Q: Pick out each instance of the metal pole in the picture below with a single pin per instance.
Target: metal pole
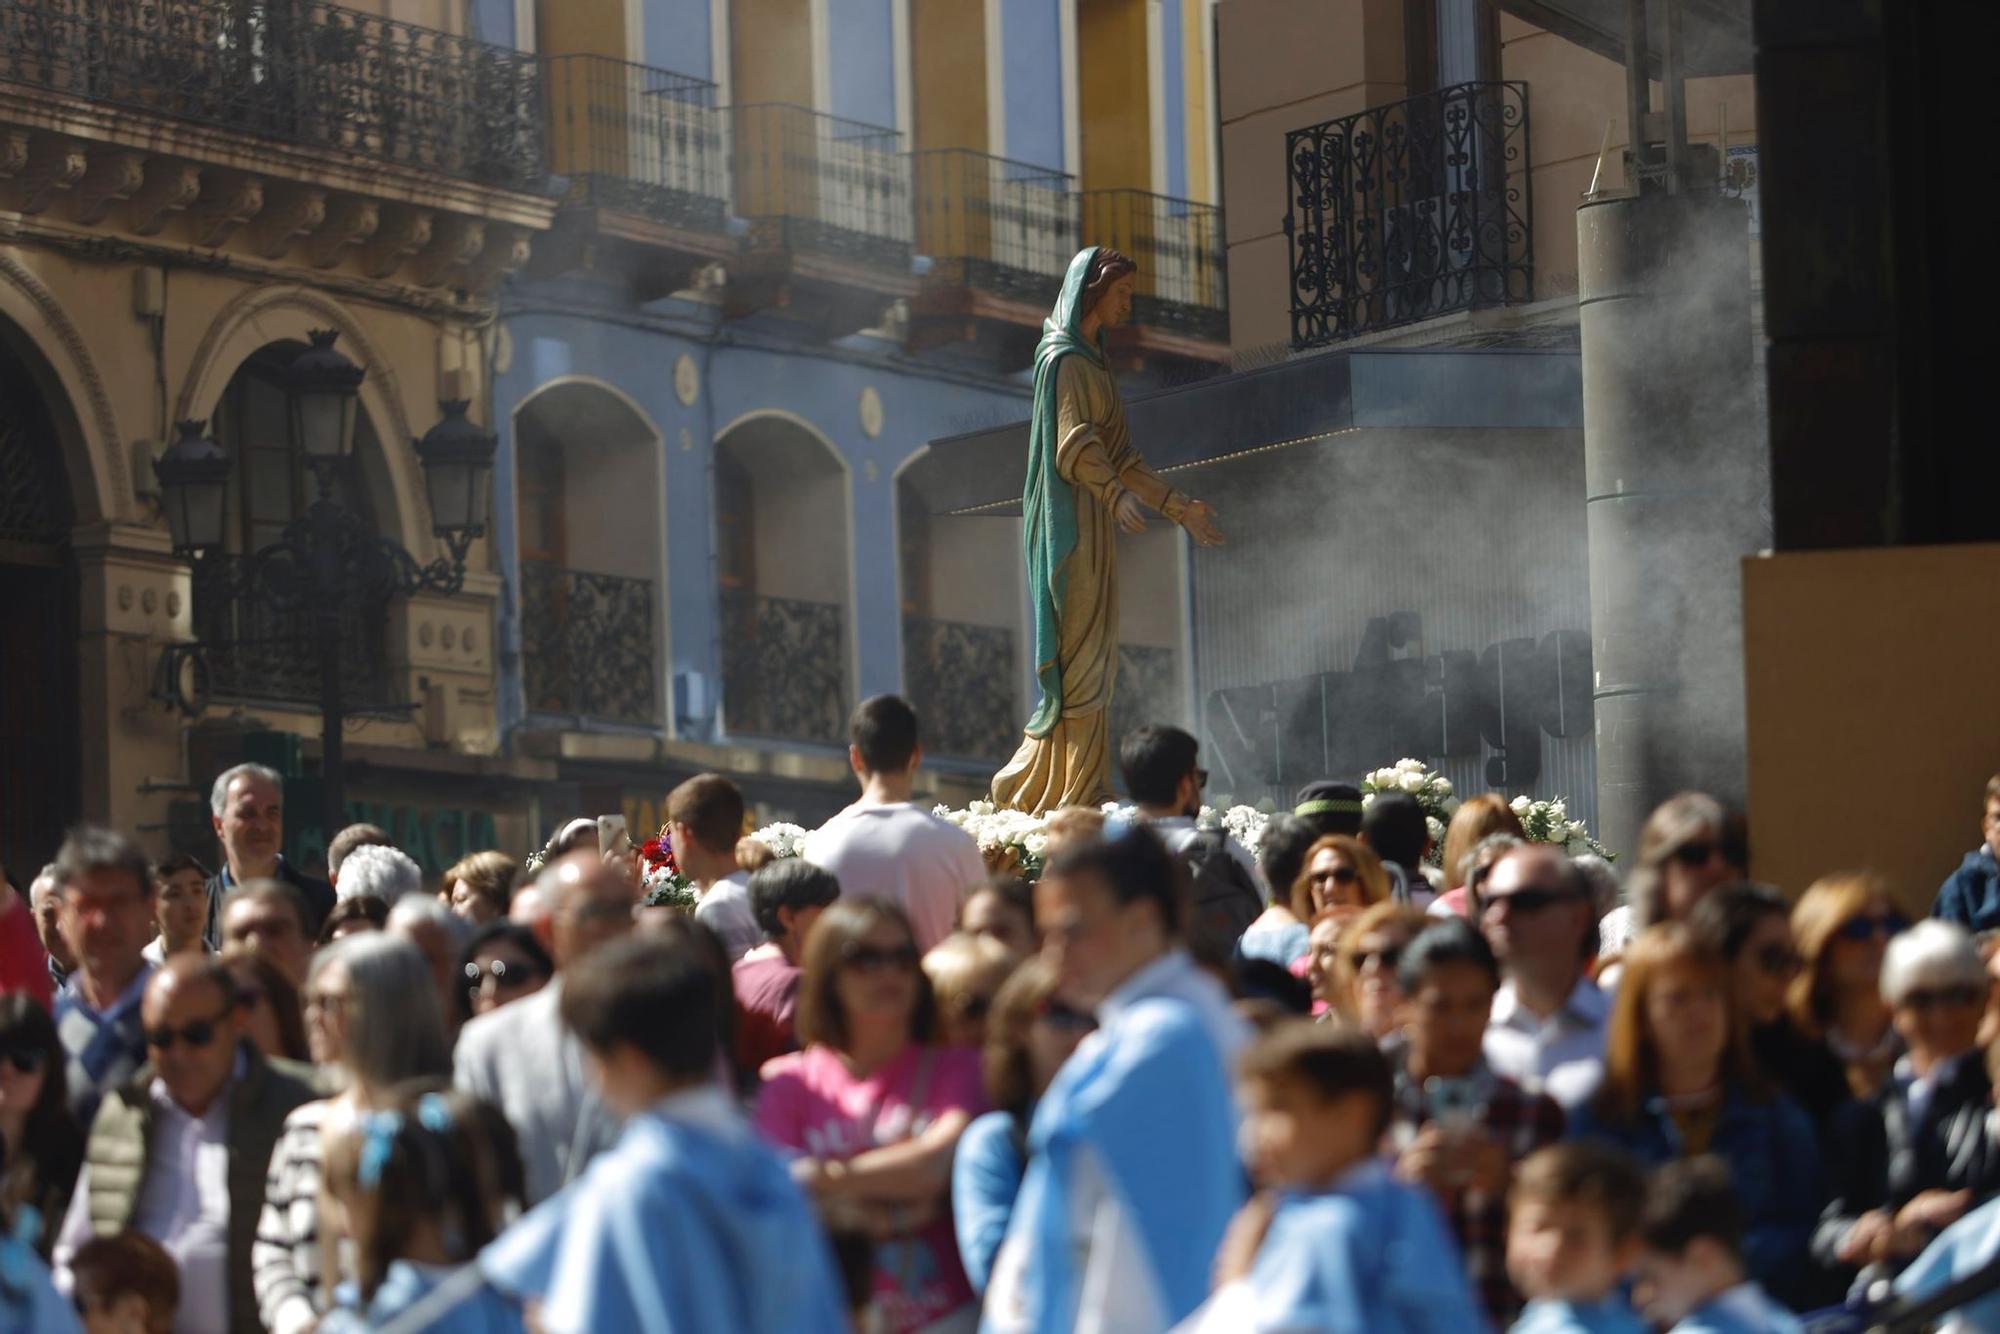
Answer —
(328, 599)
(1638, 87)
(1673, 86)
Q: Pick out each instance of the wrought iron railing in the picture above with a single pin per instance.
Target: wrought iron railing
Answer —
(1410, 210)
(1144, 690)
(587, 644)
(784, 671)
(1178, 246)
(636, 138)
(812, 182)
(995, 225)
(302, 71)
(255, 651)
(960, 678)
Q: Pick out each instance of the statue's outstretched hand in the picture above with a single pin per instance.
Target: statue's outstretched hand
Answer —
(1199, 520)
(1129, 513)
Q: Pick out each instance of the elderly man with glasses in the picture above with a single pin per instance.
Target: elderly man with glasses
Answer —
(1547, 1027)
(180, 1152)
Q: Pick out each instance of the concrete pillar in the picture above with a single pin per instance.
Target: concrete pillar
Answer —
(1676, 494)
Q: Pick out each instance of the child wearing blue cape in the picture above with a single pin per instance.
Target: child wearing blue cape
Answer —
(1693, 1279)
(689, 1223)
(1967, 1247)
(1336, 1243)
(1573, 1236)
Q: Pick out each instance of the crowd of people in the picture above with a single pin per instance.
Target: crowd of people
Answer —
(1350, 1082)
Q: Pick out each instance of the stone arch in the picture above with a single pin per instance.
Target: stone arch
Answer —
(266, 315)
(100, 475)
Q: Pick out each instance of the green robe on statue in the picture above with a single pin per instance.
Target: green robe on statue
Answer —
(1080, 461)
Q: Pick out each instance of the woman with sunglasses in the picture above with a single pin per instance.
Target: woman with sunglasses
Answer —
(277, 1026)
(1342, 875)
(41, 1146)
(371, 1012)
(1030, 1033)
(1360, 977)
(1679, 1082)
(1476, 821)
(966, 972)
(1910, 1161)
(1842, 925)
(502, 963)
(1750, 926)
(1690, 845)
(873, 1109)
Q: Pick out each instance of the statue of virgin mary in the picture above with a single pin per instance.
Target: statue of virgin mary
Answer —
(1085, 484)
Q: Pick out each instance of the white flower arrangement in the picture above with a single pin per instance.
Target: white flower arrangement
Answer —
(1432, 790)
(1548, 822)
(784, 840)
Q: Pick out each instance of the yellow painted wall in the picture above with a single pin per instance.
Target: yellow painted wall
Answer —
(1113, 99)
(771, 56)
(1195, 41)
(591, 27)
(1873, 721)
(948, 74)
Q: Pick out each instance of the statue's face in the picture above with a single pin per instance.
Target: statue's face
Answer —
(1114, 308)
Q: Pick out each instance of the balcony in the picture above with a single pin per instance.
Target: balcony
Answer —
(1178, 245)
(960, 679)
(784, 668)
(257, 653)
(1408, 211)
(999, 235)
(588, 646)
(642, 150)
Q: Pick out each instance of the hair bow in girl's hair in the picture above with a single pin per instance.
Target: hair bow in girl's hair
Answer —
(378, 1141)
(434, 1113)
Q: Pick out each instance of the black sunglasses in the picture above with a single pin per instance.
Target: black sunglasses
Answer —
(868, 959)
(1058, 1015)
(520, 975)
(25, 1060)
(197, 1034)
(1694, 854)
(1532, 899)
(1871, 925)
(1779, 960)
(1389, 955)
(1201, 777)
(1339, 875)
(1930, 998)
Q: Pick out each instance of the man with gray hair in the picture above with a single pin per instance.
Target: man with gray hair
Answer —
(45, 901)
(439, 935)
(387, 873)
(105, 888)
(350, 840)
(247, 808)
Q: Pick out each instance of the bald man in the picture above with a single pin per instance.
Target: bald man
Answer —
(523, 1059)
(180, 1152)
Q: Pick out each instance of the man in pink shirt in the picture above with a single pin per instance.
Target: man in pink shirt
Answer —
(885, 845)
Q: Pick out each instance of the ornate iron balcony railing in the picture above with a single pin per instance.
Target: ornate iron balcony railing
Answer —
(1178, 246)
(784, 668)
(1410, 210)
(587, 645)
(960, 678)
(255, 651)
(999, 226)
(817, 183)
(301, 71)
(634, 138)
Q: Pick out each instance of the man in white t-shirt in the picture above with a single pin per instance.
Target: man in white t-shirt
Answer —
(705, 818)
(886, 846)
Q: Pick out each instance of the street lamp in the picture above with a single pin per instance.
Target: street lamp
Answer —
(329, 561)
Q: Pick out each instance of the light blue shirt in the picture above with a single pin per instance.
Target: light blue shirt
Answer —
(986, 1173)
(1744, 1309)
(1961, 1250)
(1612, 1315)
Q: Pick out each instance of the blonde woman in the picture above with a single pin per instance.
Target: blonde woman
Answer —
(1842, 926)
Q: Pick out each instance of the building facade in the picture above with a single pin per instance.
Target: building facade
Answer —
(712, 272)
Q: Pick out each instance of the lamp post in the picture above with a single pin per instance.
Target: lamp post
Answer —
(329, 560)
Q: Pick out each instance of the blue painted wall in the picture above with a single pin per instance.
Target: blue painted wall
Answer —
(677, 37)
(737, 380)
(1031, 48)
(1172, 76)
(493, 21)
(861, 41)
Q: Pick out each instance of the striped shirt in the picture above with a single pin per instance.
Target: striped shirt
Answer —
(284, 1260)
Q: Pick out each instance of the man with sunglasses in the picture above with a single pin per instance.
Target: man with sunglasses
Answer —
(1162, 771)
(180, 1153)
(1547, 1027)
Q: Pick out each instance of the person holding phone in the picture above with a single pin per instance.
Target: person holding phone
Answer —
(1455, 1126)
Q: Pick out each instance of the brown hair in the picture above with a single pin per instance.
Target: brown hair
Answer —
(1106, 268)
(1631, 1058)
(1070, 825)
(1480, 816)
(369, 908)
(841, 928)
(105, 1269)
(1374, 880)
(712, 807)
(1993, 788)
(753, 854)
(1010, 1081)
(489, 874)
(51, 1147)
(1829, 903)
(1586, 1173)
(279, 992)
(1331, 1060)
(1676, 822)
(1375, 917)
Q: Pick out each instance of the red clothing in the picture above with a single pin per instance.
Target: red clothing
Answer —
(24, 966)
(767, 997)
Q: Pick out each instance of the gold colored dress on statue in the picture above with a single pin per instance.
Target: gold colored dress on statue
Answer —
(1071, 765)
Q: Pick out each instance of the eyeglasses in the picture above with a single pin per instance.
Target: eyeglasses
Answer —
(1201, 777)
(868, 959)
(1532, 898)
(505, 977)
(1931, 998)
(199, 1033)
(325, 1000)
(25, 1060)
(1058, 1015)
(1339, 875)
(1388, 956)
(1870, 925)
(1779, 960)
(1698, 853)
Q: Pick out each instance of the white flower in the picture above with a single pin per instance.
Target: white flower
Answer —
(1411, 783)
(1558, 811)
(1450, 806)
(1520, 804)
(1036, 843)
(1436, 827)
(1441, 785)
(1367, 800)
(1409, 766)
